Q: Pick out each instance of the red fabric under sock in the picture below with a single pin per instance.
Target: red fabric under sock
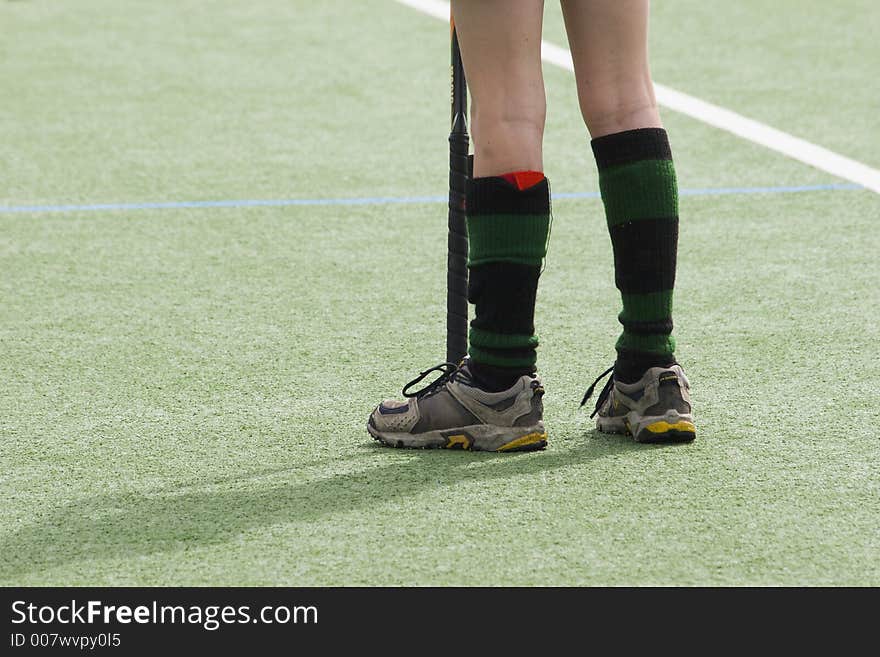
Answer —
(523, 179)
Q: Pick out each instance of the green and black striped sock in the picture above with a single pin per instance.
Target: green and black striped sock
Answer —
(640, 193)
(508, 223)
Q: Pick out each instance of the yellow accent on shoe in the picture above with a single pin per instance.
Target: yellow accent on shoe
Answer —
(529, 439)
(663, 426)
(460, 440)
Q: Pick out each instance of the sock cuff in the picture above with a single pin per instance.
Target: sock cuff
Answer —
(631, 146)
(496, 195)
(523, 179)
(506, 224)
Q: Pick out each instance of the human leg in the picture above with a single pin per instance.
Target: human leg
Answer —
(493, 400)
(639, 190)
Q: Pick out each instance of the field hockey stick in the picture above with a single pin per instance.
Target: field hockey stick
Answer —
(457, 243)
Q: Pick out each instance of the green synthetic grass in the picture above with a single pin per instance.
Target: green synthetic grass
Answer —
(185, 391)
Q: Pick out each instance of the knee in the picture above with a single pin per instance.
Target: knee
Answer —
(508, 136)
(618, 104)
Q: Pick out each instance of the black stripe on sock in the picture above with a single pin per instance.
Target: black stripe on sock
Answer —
(495, 379)
(645, 255)
(495, 195)
(503, 294)
(631, 365)
(658, 327)
(631, 146)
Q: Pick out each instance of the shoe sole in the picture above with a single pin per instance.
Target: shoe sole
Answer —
(477, 438)
(663, 429)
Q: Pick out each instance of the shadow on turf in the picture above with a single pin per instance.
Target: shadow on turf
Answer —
(138, 524)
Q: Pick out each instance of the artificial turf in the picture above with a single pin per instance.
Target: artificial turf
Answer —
(185, 390)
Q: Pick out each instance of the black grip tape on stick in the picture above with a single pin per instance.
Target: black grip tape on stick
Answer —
(457, 243)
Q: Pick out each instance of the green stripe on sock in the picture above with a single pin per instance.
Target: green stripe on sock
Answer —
(641, 190)
(646, 307)
(488, 358)
(507, 238)
(492, 340)
(657, 344)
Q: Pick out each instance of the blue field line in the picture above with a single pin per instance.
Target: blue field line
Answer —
(384, 200)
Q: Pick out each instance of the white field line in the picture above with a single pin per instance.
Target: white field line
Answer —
(719, 117)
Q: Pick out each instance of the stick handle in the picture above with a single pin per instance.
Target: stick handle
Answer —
(457, 243)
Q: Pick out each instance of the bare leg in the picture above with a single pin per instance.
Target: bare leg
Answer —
(609, 45)
(501, 49)
(508, 208)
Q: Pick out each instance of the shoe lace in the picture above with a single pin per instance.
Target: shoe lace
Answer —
(447, 371)
(602, 395)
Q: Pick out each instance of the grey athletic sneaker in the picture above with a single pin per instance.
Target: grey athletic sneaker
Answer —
(452, 412)
(655, 409)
